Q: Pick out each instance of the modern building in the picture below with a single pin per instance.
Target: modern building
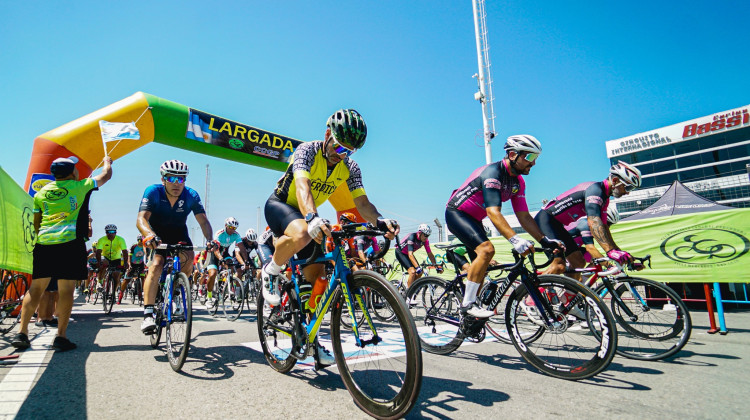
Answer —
(710, 155)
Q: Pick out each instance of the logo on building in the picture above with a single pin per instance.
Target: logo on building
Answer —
(709, 246)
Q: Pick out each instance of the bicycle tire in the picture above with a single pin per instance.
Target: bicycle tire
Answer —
(232, 300)
(156, 336)
(14, 291)
(180, 327)
(379, 306)
(95, 291)
(108, 294)
(215, 295)
(565, 350)
(654, 334)
(251, 294)
(363, 369)
(271, 324)
(495, 325)
(436, 313)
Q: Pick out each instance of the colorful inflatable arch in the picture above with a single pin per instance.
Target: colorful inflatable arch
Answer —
(166, 122)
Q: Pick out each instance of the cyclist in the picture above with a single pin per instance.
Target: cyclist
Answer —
(249, 244)
(345, 219)
(405, 252)
(162, 217)
(92, 265)
(316, 170)
(266, 246)
(114, 249)
(223, 240)
(482, 195)
(365, 247)
(590, 199)
(137, 253)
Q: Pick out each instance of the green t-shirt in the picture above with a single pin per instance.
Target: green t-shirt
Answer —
(60, 203)
(112, 250)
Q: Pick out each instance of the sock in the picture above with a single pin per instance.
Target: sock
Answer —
(471, 293)
(210, 295)
(148, 311)
(272, 268)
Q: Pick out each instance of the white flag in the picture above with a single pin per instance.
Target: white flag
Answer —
(112, 131)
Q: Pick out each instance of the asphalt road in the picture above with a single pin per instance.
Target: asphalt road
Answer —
(115, 374)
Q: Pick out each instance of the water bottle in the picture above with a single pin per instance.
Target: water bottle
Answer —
(488, 293)
(305, 290)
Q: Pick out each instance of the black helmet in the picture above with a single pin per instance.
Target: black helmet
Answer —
(348, 128)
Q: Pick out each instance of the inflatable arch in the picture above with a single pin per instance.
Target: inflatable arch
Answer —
(166, 122)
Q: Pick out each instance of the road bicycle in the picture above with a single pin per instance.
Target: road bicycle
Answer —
(12, 291)
(227, 293)
(109, 291)
(135, 286)
(379, 362)
(250, 289)
(93, 291)
(173, 308)
(539, 313)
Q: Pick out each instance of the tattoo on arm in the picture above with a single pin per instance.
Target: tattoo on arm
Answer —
(601, 233)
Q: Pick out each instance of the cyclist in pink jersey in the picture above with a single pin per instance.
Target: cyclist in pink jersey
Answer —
(482, 195)
(589, 199)
(405, 253)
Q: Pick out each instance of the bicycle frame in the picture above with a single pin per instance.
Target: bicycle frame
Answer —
(169, 270)
(608, 278)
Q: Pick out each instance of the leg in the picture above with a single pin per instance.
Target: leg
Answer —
(64, 305)
(31, 301)
(151, 284)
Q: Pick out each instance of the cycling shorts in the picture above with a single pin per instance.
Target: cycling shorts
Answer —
(404, 260)
(279, 215)
(456, 259)
(65, 261)
(265, 252)
(467, 229)
(554, 229)
(113, 263)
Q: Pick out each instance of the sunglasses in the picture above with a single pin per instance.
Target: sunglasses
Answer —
(629, 187)
(530, 157)
(175, 179)
(112, 231)
(341, 150)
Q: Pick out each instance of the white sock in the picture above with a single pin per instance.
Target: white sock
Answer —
(272, 268)
(471, 293)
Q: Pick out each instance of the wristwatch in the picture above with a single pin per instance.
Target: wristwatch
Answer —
(310, 216)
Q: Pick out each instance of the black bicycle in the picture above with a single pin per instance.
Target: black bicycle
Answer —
(109, 292)
(540, 314)
(12, 291)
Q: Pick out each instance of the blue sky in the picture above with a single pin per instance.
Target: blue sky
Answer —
(573, 74)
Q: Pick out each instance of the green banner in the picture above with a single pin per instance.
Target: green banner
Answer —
(17, 236)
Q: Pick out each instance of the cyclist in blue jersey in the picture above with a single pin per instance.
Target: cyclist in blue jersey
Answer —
(223, 240)
(137, 255)
(162, 218)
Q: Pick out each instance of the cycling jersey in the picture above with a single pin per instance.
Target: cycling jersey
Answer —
(164, 216)
(112, 250)
(412, 243)
(363, 243)
(308, 162)
(137, 252)
(226, 240)
(587, 199)
(60, 203)
(249, 245)
(489, 186)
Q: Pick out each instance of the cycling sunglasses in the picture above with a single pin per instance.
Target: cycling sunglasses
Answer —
(530, 157)
(341, 150)
(111, 231)
(629, 187)
(175, 179)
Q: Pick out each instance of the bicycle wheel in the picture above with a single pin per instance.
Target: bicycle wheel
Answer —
(218, 290)
(109, 293)
(12, 297)
(384, 374)
(566, 349)
(95, 293)
(180, 327)
(435, 308)
(379, 307)
(232, 300)
(275, 326)
(156, 336)
(655, 331)
(495, 325)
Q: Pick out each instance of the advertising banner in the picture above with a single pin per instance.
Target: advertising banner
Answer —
(17, 236)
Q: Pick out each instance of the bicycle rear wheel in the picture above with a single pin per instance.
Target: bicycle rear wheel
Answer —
(656, 331)
(232, 300)
(95, 293)
(435, 307)
(275, 326)
(384, 374)
(216, 296)
(379, 307)
(156, 336)
(181, 325)
(109, 292)
(567, 349)
(12, 297)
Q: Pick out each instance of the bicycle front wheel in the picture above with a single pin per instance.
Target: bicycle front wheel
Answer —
(180, 326)
(567, 349)
(660, 324)
(212, 305)
(232, 300)
(495, 325)
(275, 329)
(435, 307)
(383, 370)
(108, 297)
(12, 297)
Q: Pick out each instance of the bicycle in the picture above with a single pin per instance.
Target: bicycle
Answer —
(645, 332)
(227, 292)
(287, 335)
(135, 286)
(536, 313)
(250, 290)
(173, 307)
(109, 292)
(12, 291)
(93, 291)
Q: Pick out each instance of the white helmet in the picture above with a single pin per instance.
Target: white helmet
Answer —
(613, 216)
(250, 235)
(523, 143)
(231, 221)
(173, 167)
(424, 228)
(110, 227)
(630, 175)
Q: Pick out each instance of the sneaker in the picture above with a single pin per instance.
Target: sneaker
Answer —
(270, 288)
(63, 344)
(148, 326)
(21, 341)
(476, 311)
(210, 303)
(532, 313)
(323, 357)
(51, 323)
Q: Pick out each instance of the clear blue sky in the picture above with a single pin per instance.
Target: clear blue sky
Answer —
(573, 74)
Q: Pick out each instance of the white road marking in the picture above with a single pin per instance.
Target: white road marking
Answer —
(18, 382)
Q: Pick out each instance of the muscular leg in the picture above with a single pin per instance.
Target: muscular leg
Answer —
(31, 301)
(64, 305)
(151, 283)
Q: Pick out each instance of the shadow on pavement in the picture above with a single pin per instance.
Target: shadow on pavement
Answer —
(437, 396)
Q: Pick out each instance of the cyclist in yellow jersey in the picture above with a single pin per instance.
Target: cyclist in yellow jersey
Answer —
(114, 249)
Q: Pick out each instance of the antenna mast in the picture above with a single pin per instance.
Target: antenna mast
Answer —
(484, 77)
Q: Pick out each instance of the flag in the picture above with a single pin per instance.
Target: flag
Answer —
(112, 131)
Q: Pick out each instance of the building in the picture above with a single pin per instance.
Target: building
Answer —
(710, 155)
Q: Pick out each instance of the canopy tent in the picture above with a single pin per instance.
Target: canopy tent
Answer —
(677, 200)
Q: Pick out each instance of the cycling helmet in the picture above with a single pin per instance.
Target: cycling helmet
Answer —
(523, 143)
(231, 222)
(250, 235)
(348, 128)
(424, 228)
(613, 216)
(139, 238)
(629, 174)
(110, 227)
(173, 167)
(347, 218)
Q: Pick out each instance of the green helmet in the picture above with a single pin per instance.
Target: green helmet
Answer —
(348, 128)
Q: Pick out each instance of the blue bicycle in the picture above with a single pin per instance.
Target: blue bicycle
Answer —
(379, 361)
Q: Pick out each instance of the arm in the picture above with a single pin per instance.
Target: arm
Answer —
(106, 173)
(500, 223)
(413, 259)
(593, 251)
(370, 213)
(125, 260)
(144, 227)
(529, 225)
(601, 233)
(208, 231)
(242, 257)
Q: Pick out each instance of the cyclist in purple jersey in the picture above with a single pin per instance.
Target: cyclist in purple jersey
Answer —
(405, 252)
(482, 195)
(589, 199)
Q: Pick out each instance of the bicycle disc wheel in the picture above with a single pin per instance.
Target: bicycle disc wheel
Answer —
(13, 294)
(384, 374)
(232, 299)
(435, 309)
(275, 326)
(567, 349)
(661, 324)
(108, 299)
(181, 325)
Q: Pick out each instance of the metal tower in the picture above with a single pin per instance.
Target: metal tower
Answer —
(484, 77)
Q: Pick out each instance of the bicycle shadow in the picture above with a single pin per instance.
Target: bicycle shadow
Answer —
(438, 396)
(217, 363)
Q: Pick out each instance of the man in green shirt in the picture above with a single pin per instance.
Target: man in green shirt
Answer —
(114, 249)
(60, 222)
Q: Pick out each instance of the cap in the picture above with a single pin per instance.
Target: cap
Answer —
(62, 167)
